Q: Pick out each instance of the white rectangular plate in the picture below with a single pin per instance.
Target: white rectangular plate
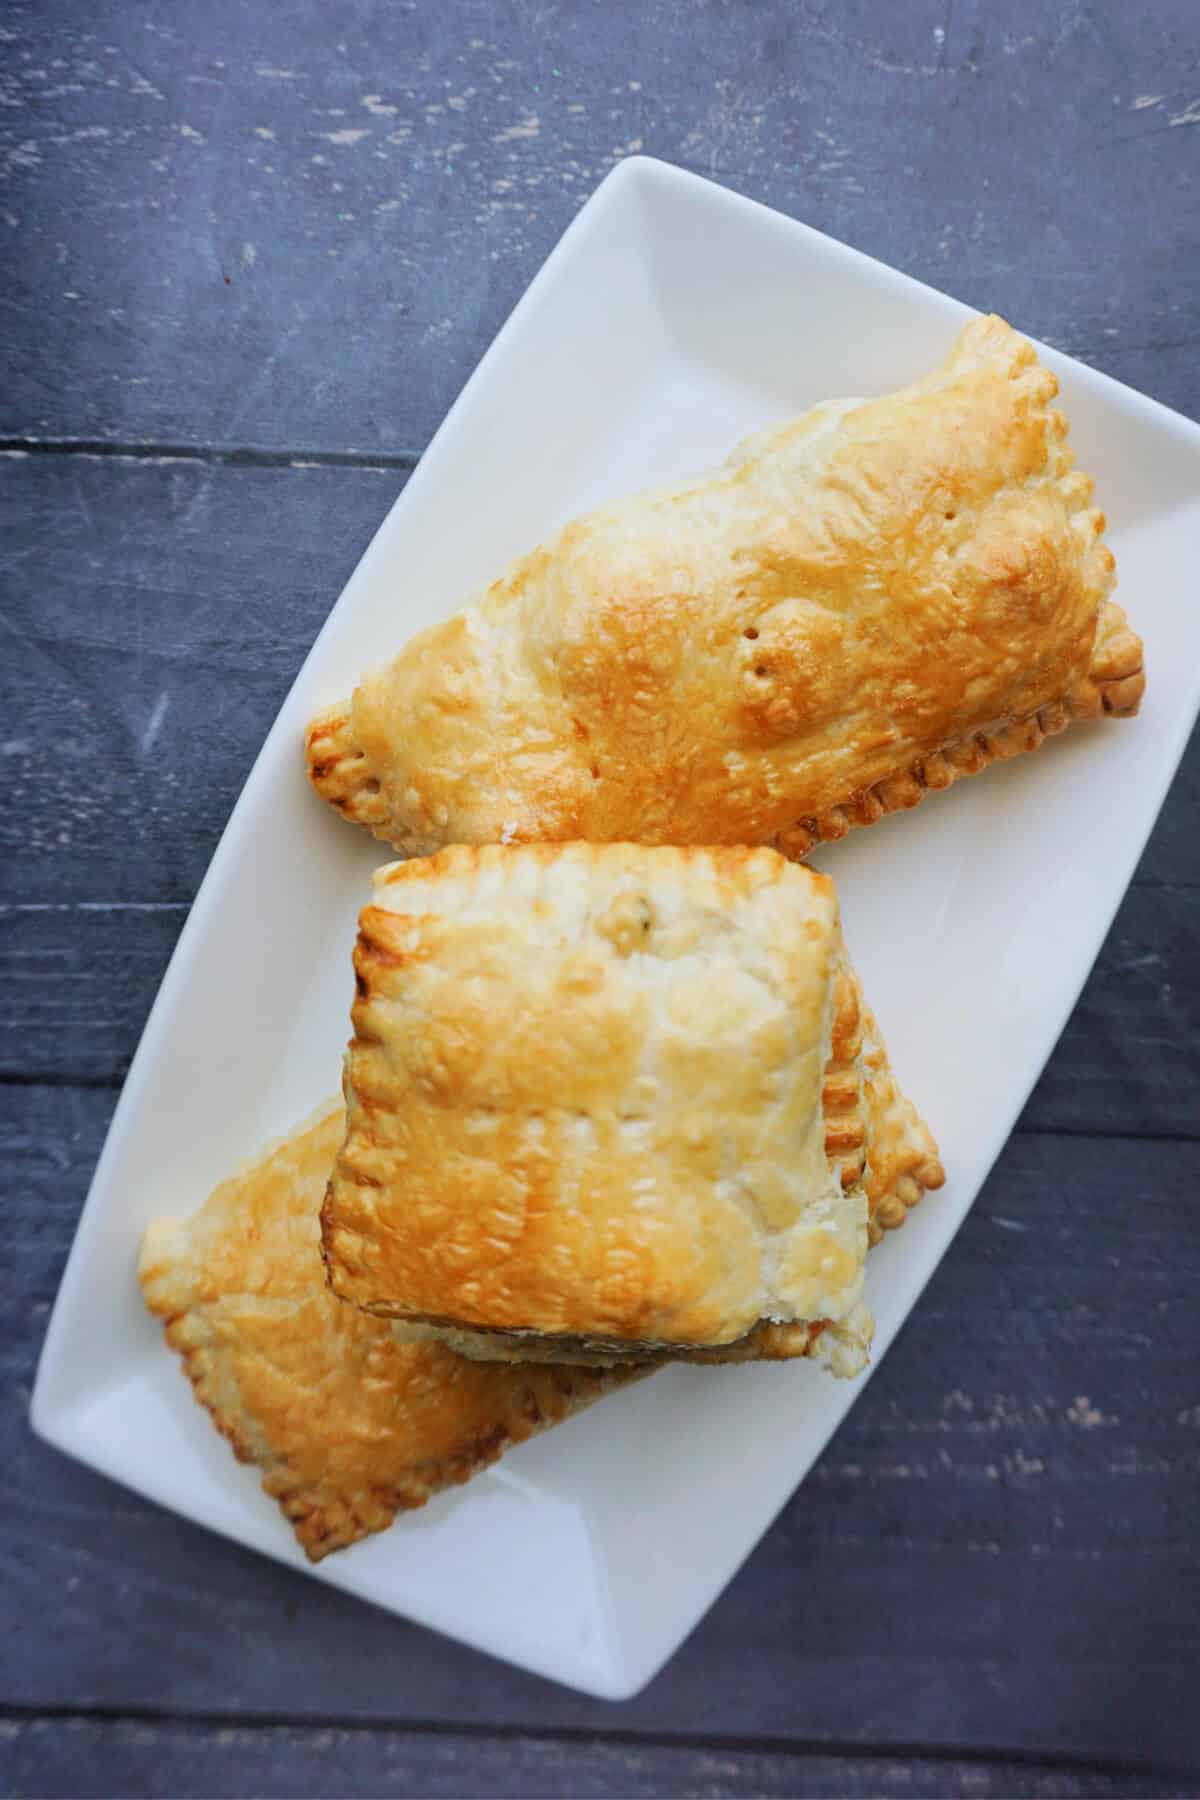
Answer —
(672, 319)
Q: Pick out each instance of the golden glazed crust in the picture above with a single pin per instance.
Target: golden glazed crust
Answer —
(348, 1425)
(607, 1093)
(862, 605)
(874, 1136)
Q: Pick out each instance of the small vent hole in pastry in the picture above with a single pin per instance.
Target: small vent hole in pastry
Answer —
(627, 923)
(951, 514)
(751, 632)
(762, 671)
(372, 786)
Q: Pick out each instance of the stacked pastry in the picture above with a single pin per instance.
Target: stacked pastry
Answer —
(614, 1096)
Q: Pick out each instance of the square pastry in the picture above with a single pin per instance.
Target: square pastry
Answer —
(607, 1100)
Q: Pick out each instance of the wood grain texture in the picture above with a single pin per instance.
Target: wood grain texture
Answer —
(997, 1549)
(78, 1758)
(295, 228)
(219, 218)
(156, 614)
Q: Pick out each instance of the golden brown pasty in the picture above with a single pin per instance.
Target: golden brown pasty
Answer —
(608, 1099)
(864, 604)
(348, 1425)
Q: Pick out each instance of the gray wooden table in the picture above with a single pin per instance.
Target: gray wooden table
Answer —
(251, 251)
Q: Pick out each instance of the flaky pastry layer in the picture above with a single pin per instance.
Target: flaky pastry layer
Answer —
(843, 1348)
(859, 607)
(348, 1425)
(614, 1098)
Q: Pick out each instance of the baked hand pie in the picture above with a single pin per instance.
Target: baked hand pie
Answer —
(861, 605)
(348, 1425)
(610, 1100)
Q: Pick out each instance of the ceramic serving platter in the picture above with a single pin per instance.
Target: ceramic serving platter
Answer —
(672, 319)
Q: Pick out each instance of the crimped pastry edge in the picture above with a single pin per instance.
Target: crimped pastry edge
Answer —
(1113, 687)
(324, 1522)
(883, 1141)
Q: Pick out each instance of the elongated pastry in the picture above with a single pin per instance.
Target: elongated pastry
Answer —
(348, 1425)
(608, 1099)
(864, 604)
